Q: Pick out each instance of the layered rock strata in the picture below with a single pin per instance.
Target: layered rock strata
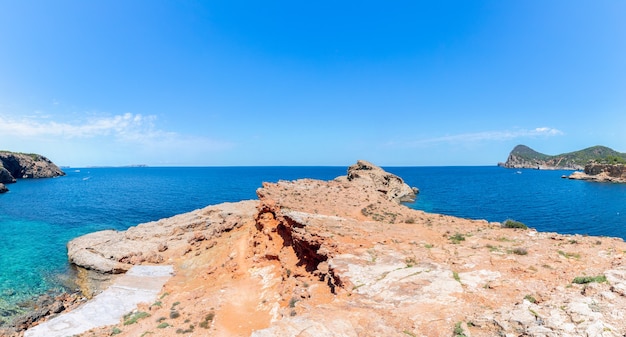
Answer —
(345, 258)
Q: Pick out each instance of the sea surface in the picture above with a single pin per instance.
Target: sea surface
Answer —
(38, 217)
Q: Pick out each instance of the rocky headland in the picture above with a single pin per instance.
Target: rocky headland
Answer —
(15, 166)
(614, 173)
(346, 258)
(523, 156)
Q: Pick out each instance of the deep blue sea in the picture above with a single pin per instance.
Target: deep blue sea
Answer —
(38, 217)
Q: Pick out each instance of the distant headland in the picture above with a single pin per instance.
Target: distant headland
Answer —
(15, 166)
(523, 156)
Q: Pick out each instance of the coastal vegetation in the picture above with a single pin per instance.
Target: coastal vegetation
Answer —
(589, 279)
(523, 156)
(514, 224)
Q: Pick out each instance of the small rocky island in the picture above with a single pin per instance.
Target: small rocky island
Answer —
(345, 258)
(523, 156)
(15, 166)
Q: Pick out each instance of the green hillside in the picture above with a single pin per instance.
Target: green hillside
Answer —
(523, 156)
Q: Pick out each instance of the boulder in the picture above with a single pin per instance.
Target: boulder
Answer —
(3, 189)
(5, 176)
(392, 186)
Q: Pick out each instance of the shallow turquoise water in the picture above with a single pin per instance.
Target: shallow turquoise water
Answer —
(38, 217)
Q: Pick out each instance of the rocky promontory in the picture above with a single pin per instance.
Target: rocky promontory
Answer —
(346, 258)
(615, 173)
(523, 156)
(15, 166)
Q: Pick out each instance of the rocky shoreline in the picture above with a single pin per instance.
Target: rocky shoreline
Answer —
(612, 173)
(15, 166)
(346, 258)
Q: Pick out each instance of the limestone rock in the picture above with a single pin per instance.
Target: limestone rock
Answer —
(344, 258)
(115, 252)
(376, 179)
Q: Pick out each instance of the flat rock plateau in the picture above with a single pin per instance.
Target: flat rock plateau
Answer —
(346, 258)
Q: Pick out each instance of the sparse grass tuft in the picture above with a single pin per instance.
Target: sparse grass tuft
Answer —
(569, 255)
(458, 330)
(519, 251)
(207, 320)
(457, 238)
(492, 248)
(456, 276)
(589, 279)
(292, 302)
(132, 319)
(163, 325)
(530, 298)
(188, 330)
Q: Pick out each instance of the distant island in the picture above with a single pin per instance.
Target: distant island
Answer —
(523, 156)
(15, 166)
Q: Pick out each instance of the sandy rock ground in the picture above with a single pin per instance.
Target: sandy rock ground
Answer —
(343, 258)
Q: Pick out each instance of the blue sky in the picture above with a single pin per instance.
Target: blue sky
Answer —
(168, 83)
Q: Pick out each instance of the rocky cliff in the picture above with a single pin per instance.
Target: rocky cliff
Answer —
(15, 166)
(602, 173)
(524, 157)
(345, 258)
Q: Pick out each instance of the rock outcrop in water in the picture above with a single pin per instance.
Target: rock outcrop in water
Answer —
(15, 166)
(344, 258)
(602, 173)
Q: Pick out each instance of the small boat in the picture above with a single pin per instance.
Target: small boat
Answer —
(518, 172)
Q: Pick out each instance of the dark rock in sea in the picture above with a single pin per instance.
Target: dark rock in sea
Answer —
(3, 189)
(5, 176)
(21, 165)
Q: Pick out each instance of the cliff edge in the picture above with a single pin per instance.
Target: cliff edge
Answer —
(345, 258)
(15, 166)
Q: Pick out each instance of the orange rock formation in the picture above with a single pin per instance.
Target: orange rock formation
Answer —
(345, 258)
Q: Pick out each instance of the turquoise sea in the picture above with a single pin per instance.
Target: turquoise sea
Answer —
(38, 217)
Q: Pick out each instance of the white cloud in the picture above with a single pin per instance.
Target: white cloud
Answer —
(119, 125)
(489, 136)
(127, 134)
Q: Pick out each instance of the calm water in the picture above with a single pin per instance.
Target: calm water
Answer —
(38, 217)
